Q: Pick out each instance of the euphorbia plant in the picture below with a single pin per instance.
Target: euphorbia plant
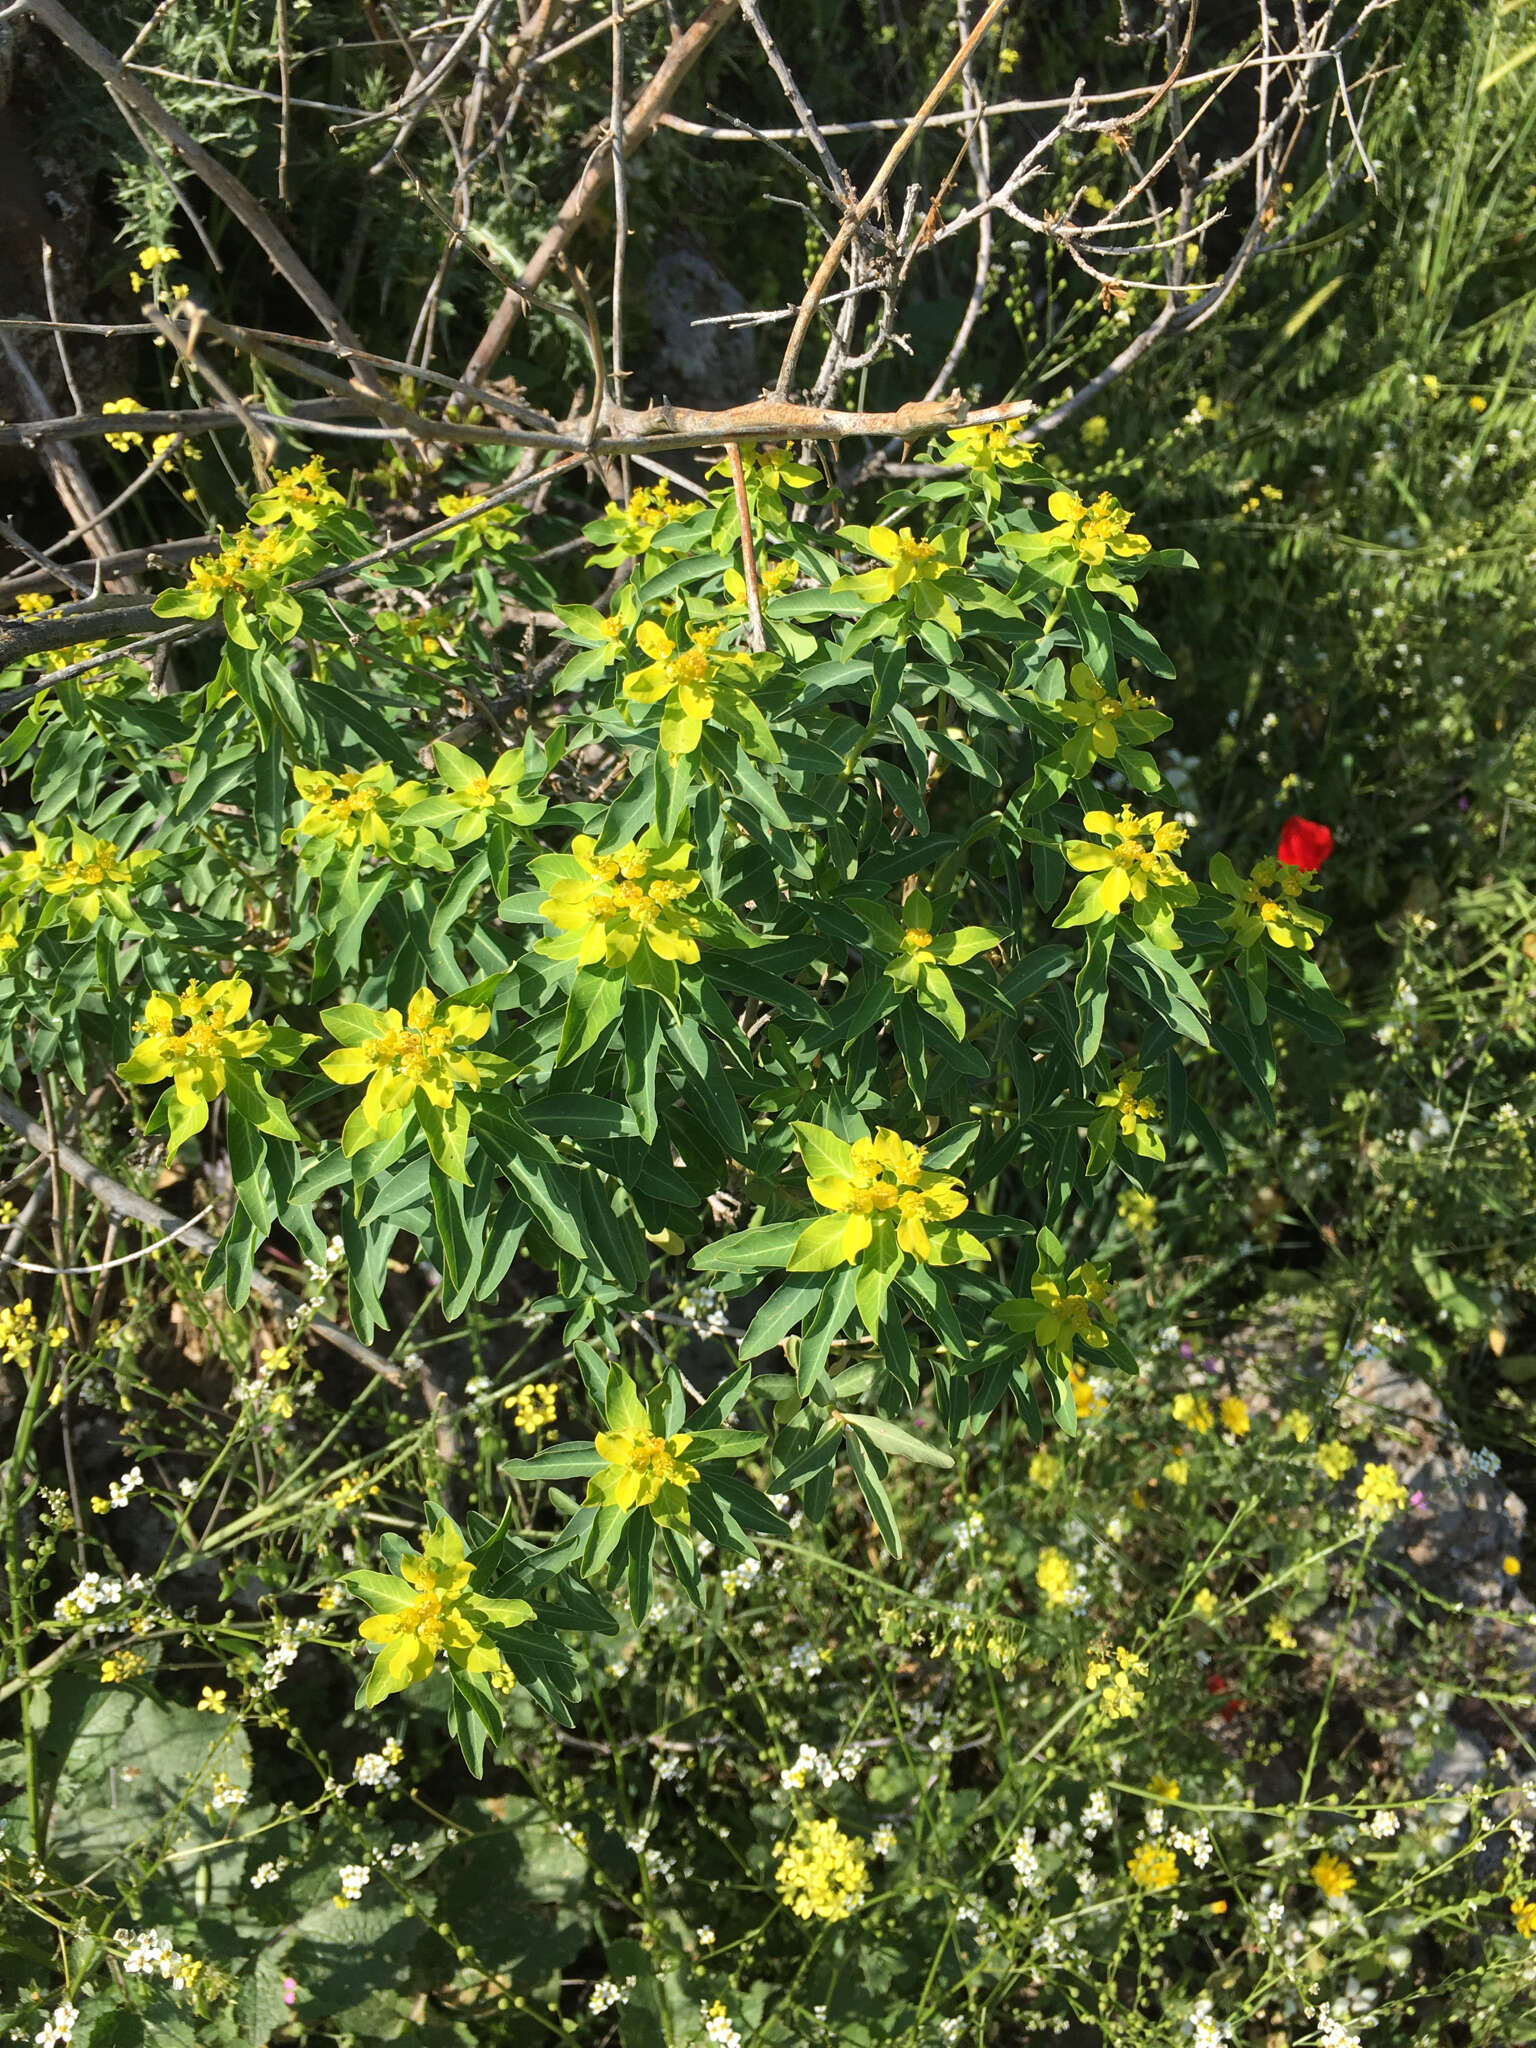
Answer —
(842, 970)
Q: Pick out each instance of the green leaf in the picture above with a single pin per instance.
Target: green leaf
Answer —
(896, 1440)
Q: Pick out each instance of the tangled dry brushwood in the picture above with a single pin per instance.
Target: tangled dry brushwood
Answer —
(1208, 151)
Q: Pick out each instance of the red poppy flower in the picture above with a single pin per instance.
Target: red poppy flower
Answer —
(1304, 844)
(1229, 1708)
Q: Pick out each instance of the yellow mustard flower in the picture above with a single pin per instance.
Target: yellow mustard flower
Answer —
(1332, 1876)
(822, 1873)
(1234, 1416)
(1280, 1632)
(1056, 1576)
(1163, 1788)
(429, 1608)
(211, 1700)
(1044, 1470)
(1294, 1423)
(534, 1407)
(624, 909)
(881, 1198)
(1120, 1697)
(1335, 1458)
(157, 255)
(1204, 1603)
(124, 441)
(1152, 1867)
(1523, 1912)
(1380, 1494)
(1176, 1471)
(1134, 865)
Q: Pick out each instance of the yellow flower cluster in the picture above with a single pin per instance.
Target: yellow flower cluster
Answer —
(822, 1874)
(123, 442)
(1056, 1576)
(121, 1666)
(1153, 1867)
(18, 1334)
(533, 1408)
(1335, 1458)
(1194, 1412)
(1524, 1912)
(1380, 1494)
(1121, 1697)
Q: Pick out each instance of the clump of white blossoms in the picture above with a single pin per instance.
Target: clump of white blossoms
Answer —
(376, 1771)
(150, 1955)
(605, 1993)
(56, 2031)
(353, 1879)
(96, 1602)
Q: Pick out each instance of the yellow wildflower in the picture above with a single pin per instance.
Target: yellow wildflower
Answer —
(695, 683)
(1477, 403)
(533, 1407)
(1133, 865)
(1060, 1317)
(1332, 1876)
(123, 442)
(1234, 1416)
(1044, 1470)
(1138, 1212)
(880, 1196)
(1120, 1697)
(1280, 1633)
(303, 495)
(157, 255)
(1094, 532)
(1002, 444)
(648, 1470)
(1511, 1567)
(420, 1059)
(923, 570)
(353, 806)
(1153, 1867)
(822, 1874)
(1266, 903)
(1194, 1411)
(1294, 1423)
(1524, 1913)
(197, 1060)
(211, 1700)
(121, 1666)
(1380, 1493)
(1204, 1603)
(633, 529)
(431, 1608)
(1176, 1471)
(1335, 1458)
(622, 909)
(1056, 1576)
(1163, 1788)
